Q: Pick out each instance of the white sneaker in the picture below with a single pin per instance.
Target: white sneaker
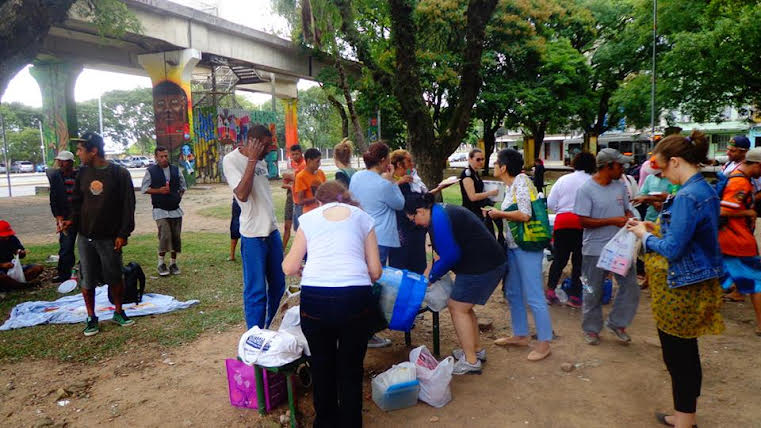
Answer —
(459, 354)
(462, 366)
(378, 342)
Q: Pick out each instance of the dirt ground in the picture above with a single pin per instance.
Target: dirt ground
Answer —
(612, 385)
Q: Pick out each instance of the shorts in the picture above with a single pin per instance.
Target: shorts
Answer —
(477, 288)
(235, 221)
(99, 262)
(288, 206)
(170, 231)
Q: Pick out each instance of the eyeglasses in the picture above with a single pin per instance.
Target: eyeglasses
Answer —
(479, 159)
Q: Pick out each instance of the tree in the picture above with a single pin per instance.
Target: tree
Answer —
(24, 145)
(127, 118)
(319, 122)
(26, 23)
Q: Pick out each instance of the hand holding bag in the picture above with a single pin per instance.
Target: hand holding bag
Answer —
(534, 234)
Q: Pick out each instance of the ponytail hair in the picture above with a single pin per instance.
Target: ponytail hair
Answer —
(334, 191)
(693, 149)
(375, 154)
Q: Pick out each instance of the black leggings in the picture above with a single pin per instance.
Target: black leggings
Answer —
(683, 363)
(566, 242)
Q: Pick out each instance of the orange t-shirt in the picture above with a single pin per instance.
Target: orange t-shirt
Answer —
(307, 182)
(736, 236)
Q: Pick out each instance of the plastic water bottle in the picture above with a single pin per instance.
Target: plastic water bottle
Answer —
(585, 285)
(561, 295)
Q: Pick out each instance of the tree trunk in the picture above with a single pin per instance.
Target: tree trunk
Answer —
(24, 26)
(341, 111)
(490, 142)
(359, 138)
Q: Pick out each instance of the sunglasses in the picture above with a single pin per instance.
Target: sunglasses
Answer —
(479, 159)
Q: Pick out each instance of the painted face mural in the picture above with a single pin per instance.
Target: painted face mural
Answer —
(170, 110)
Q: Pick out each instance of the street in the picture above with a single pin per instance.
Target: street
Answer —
(24, 184)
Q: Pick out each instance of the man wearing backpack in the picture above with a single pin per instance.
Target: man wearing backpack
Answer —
(737, 223)
(166, 185)
(103, 214)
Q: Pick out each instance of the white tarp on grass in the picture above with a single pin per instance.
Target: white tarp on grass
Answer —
(71, 309)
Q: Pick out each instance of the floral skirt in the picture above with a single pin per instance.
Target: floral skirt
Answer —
(688, 311)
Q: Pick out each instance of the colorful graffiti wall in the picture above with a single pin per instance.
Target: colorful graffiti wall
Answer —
(206, 147)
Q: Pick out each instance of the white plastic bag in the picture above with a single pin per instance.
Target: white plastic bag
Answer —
(17, 271)
(434, 376)
(291, 323)
(437, 295)
(268, 348)
(398, 373)
(619, 253)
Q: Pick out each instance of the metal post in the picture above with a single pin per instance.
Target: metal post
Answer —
(100, 117)
(652, 89)
(5, 153)
(42, 144)
(272, 88)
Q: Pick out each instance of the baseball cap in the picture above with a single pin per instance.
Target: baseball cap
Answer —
(65, 155)
(608, 155)
(740, 141)
(89, 137)
(753, 155)
(5, 229)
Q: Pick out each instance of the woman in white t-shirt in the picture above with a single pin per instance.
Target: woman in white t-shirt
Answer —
(337, 306)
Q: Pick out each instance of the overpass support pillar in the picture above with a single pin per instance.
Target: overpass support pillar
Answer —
(170, 74)
(59, 111)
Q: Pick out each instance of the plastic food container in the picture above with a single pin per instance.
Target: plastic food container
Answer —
(492, 184)
(396, 388)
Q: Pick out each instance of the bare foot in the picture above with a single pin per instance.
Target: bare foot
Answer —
(512, 341)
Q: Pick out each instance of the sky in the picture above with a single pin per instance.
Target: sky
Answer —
(93, 83)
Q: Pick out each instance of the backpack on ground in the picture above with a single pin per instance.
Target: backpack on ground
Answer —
(134, 284)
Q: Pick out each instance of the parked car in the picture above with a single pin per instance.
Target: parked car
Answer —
(2, 168)
(40, 167)
(139, 161)
(22, 166)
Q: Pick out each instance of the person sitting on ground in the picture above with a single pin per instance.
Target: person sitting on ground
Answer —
(468, 249)
(10, 246)
(336, 300)
(342, 158)
(687, 303)
(522, 283)
(308, 180)
(602, 205)
(568, 234)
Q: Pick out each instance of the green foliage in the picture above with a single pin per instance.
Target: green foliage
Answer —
(24, 145)
(111, 17)
(319, 122)
(127, 118)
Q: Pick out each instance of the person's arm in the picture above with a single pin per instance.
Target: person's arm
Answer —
(679, 234)
(255, 149)
(300, 187)
(183, 184)
(445, 245)
(372, 256)
(593, 223)
(19, 249)
(292, 262)
(76, 204)
(470, 189)
(523, 199)
(554, 198)
(128, 209)
(393, 197)
(145, 186)
(56, 194)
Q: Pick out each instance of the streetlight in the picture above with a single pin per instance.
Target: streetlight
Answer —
(652, 89)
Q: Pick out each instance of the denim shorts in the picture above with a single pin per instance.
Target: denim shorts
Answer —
(100, 263)
(477, 288)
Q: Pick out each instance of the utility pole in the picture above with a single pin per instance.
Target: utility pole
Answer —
(5, 153)
(42, 143)
(100, 117)
(652, 89)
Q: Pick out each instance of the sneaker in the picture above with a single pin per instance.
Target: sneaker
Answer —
(378, 342)
(92, 327)
(552, 298)
(591, 338)
(620, 333)
(462, 366)
(574, 302)
(459, 354)
(122, 319)
(163, 270)
(174, 269)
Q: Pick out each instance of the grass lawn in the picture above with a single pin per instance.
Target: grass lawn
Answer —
(206, 276)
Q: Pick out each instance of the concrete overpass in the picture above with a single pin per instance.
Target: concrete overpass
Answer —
(176, 42)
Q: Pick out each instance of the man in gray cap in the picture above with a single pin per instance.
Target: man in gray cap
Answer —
(602, 204)
(62, 181)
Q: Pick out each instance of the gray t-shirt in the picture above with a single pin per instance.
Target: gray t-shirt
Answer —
(596, 201)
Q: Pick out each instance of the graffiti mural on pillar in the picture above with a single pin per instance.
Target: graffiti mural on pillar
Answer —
(170, 109)
(206, 148)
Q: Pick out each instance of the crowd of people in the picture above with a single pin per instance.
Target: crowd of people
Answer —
(697, 242)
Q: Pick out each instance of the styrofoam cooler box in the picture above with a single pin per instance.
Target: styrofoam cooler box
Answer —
(493, 184)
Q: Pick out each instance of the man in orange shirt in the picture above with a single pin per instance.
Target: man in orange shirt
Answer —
(742, 266)
(308, 180)
(292, 211)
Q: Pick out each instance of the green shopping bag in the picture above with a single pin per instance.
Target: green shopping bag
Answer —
(535, 234)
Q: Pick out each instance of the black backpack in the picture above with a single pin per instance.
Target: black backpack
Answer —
(134, 284)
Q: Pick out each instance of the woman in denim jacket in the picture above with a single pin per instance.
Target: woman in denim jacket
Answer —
(687, 304)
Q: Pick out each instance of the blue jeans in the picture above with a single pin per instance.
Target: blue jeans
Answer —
(523, 286)
(384, 252)
(263, 278)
